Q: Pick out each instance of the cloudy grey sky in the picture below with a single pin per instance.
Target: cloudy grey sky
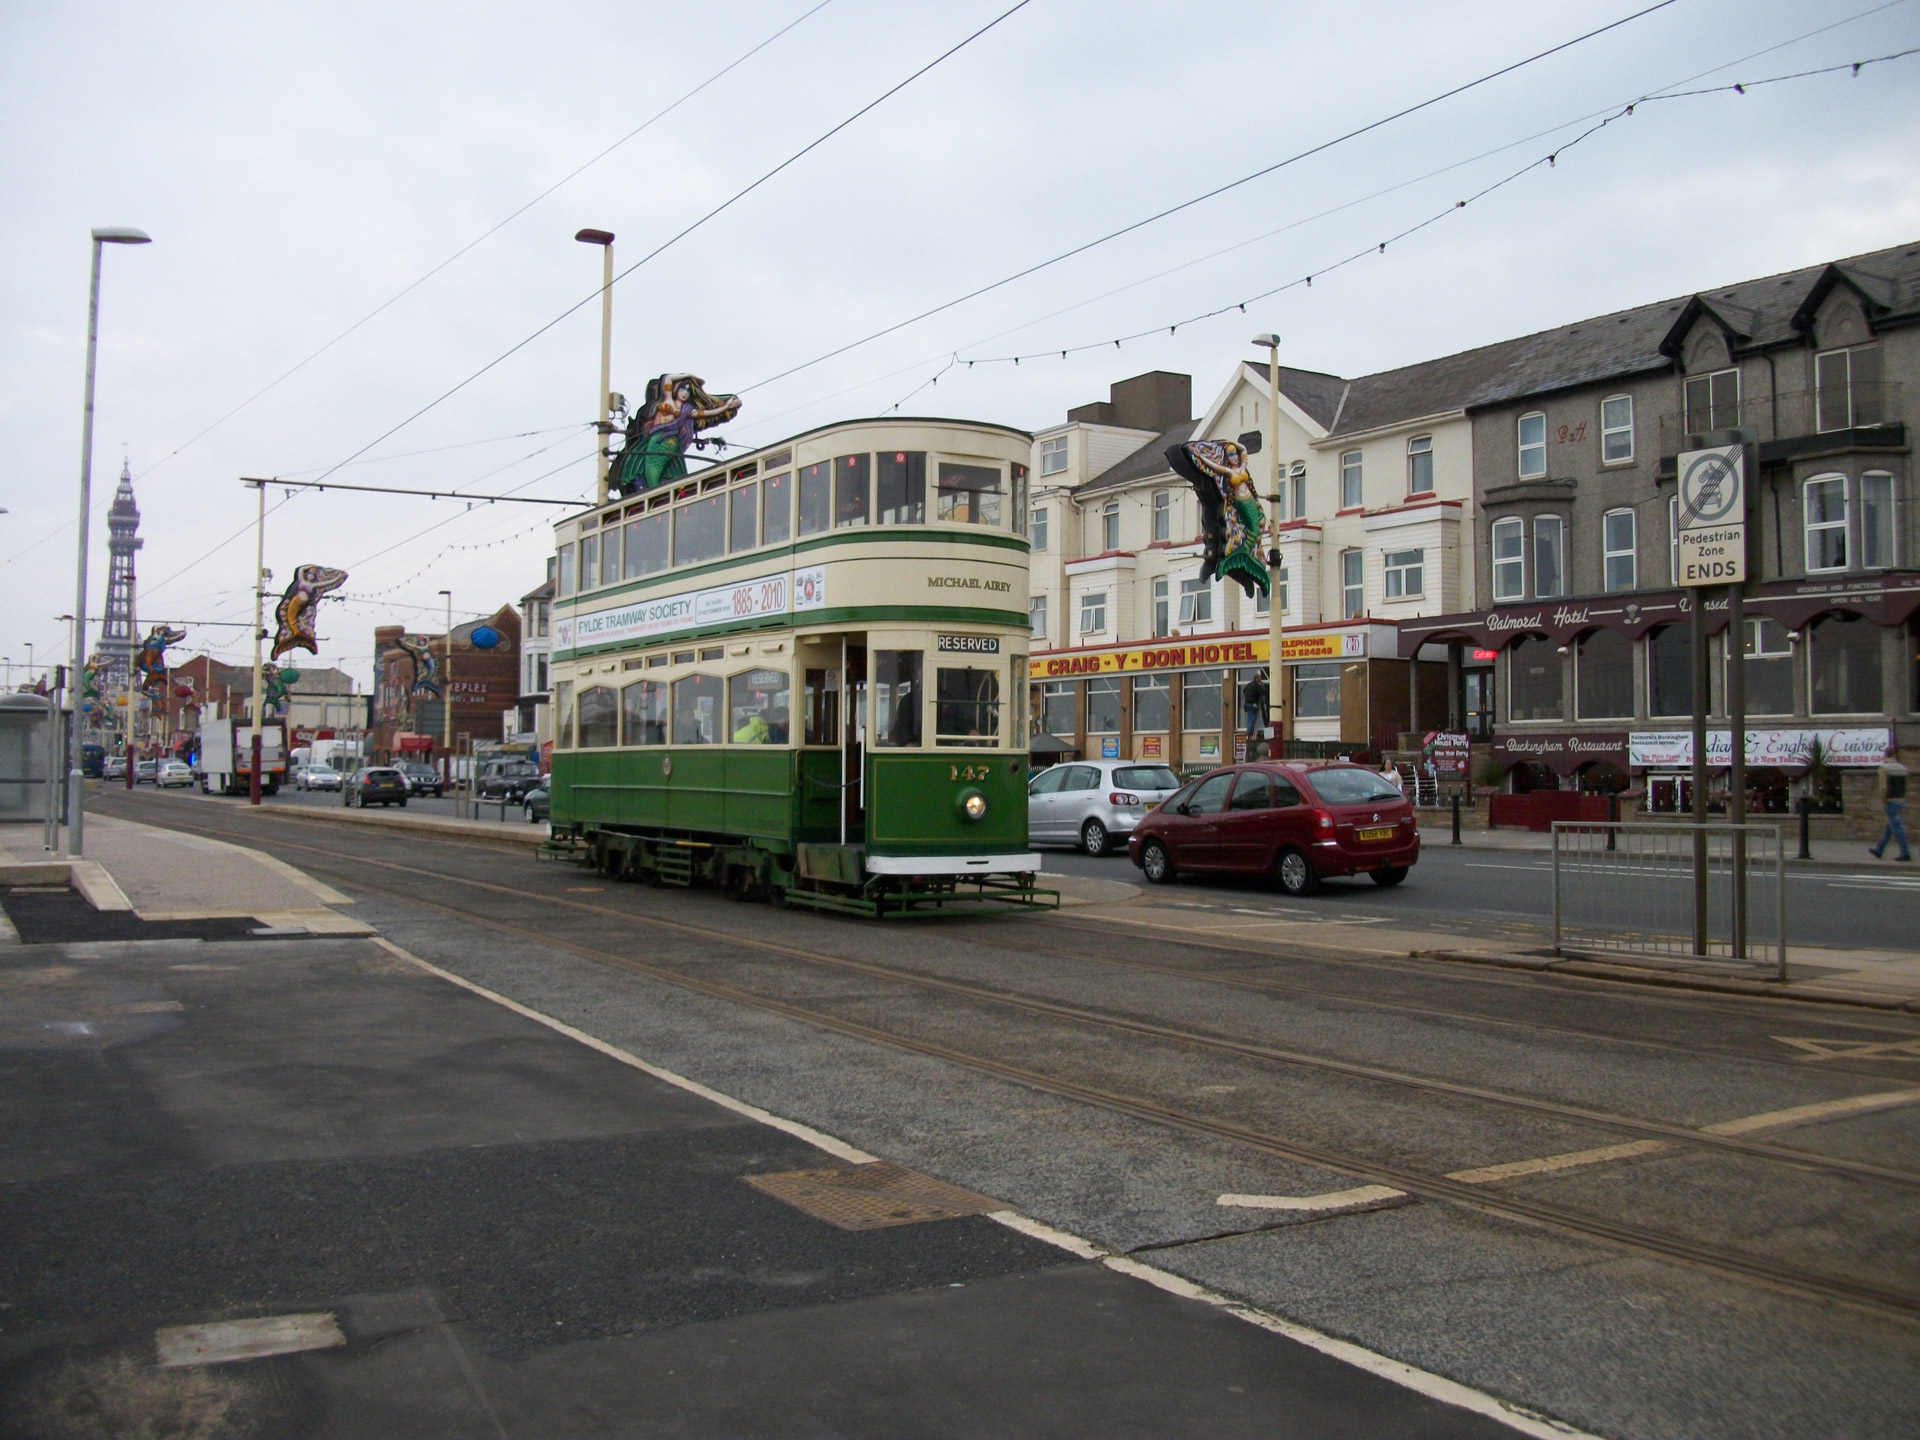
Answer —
(297, 165)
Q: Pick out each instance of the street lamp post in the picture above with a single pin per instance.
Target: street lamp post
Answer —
(446, 696)
(1276, 611)
(259, 633)
(604, 239)
(76, 782)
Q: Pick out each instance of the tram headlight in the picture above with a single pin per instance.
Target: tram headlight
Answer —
(973, 806)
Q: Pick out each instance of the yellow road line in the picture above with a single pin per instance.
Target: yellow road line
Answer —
(1569, 1160)
(1801, 1114)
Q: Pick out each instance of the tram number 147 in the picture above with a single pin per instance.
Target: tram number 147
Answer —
(969, 772)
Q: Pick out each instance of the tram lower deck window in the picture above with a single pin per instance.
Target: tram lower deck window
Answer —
(696, 710)
(643, 713)
(757, 708)
(966, 707)
(896, 697)
(599, 718)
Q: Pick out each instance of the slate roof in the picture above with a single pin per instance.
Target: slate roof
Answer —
(1314, 391)
(1772, 310)
(1143, 464)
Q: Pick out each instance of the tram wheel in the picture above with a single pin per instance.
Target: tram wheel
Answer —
(740, 882)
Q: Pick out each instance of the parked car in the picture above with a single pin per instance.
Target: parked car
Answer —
(1094, 804)
(421, 779)
(114, 767)
(1297, 823)
(172, 773)
(507, 779)
(538, 803)
(375, 785)
(319, 777)
(145, 772)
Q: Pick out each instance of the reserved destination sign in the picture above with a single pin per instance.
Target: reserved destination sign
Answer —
(968, 644)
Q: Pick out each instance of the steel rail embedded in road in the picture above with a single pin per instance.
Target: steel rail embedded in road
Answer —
(1895, 1303)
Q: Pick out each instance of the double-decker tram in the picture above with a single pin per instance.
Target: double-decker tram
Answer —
(803, 673)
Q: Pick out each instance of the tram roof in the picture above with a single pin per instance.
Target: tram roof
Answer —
(799, 435)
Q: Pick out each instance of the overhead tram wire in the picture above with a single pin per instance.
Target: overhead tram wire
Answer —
(1380, 247)
(1669, 91)
(282, 503)
(487, 234)
(1212, 194)
(682, 234)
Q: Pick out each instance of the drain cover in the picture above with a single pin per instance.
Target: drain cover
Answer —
(873, 1196)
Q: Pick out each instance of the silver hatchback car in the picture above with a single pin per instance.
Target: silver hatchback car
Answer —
(1094, 803)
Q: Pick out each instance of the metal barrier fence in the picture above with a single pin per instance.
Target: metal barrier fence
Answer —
(1630, 887)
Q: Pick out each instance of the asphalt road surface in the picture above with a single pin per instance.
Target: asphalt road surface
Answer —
(1825, 906)
(1643, 1213)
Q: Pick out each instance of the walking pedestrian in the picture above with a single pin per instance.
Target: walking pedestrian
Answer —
(1893, 790)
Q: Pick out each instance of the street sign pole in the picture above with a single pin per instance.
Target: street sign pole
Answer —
(1711, 551)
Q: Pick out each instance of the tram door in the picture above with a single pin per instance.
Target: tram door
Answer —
(853, 741)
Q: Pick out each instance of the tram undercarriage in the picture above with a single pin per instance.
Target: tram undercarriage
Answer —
(817, 877)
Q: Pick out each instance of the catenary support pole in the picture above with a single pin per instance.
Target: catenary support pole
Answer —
(1737, 762)
(258, 700)
(1702, 678)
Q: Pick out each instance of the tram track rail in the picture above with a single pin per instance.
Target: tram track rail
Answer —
(1888, 1301)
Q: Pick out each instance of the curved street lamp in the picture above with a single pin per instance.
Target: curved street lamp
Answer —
(76, 780)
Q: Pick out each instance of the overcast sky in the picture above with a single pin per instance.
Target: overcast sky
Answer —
(298, 165)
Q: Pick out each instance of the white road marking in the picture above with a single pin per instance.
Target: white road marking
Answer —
(839, 1149)
(1818, 1049)
(1421, 1382)
(1802, 1114)
(1332, 1200)
(1569, 1160)
(1483, 865)
(227, 1340)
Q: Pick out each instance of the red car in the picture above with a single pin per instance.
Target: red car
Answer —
(1297, 823)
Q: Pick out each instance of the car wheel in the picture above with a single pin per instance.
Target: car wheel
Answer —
(1094, 839)
(529, 810)
(1156, 864)
(1389, 874)
(1295, 872)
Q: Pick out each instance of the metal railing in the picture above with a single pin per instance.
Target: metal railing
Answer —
(1630, 887)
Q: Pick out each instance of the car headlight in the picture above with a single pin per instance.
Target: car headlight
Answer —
(973, 806)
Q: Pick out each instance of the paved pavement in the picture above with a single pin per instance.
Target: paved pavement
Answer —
(312, 1188)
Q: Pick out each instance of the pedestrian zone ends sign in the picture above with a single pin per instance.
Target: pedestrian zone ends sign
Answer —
(1711, 533)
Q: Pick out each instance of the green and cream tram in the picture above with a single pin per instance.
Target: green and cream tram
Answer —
(803, 672)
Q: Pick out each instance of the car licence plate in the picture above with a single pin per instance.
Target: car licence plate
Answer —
(1385, 832)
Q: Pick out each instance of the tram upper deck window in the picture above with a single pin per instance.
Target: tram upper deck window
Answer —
(776, 511)
(696, 710)
(896, 697)
(646, 545)
(700, 529)
(900, 479)
(850, 489)
(563, 572)
(816, 498)
(969, 494)
(643, 713)
(966, 707)
(599, 718)
(740, 521)
(757, 707)
(563, 715)
(589, 561)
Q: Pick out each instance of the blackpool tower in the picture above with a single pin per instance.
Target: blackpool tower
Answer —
(116, 631)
